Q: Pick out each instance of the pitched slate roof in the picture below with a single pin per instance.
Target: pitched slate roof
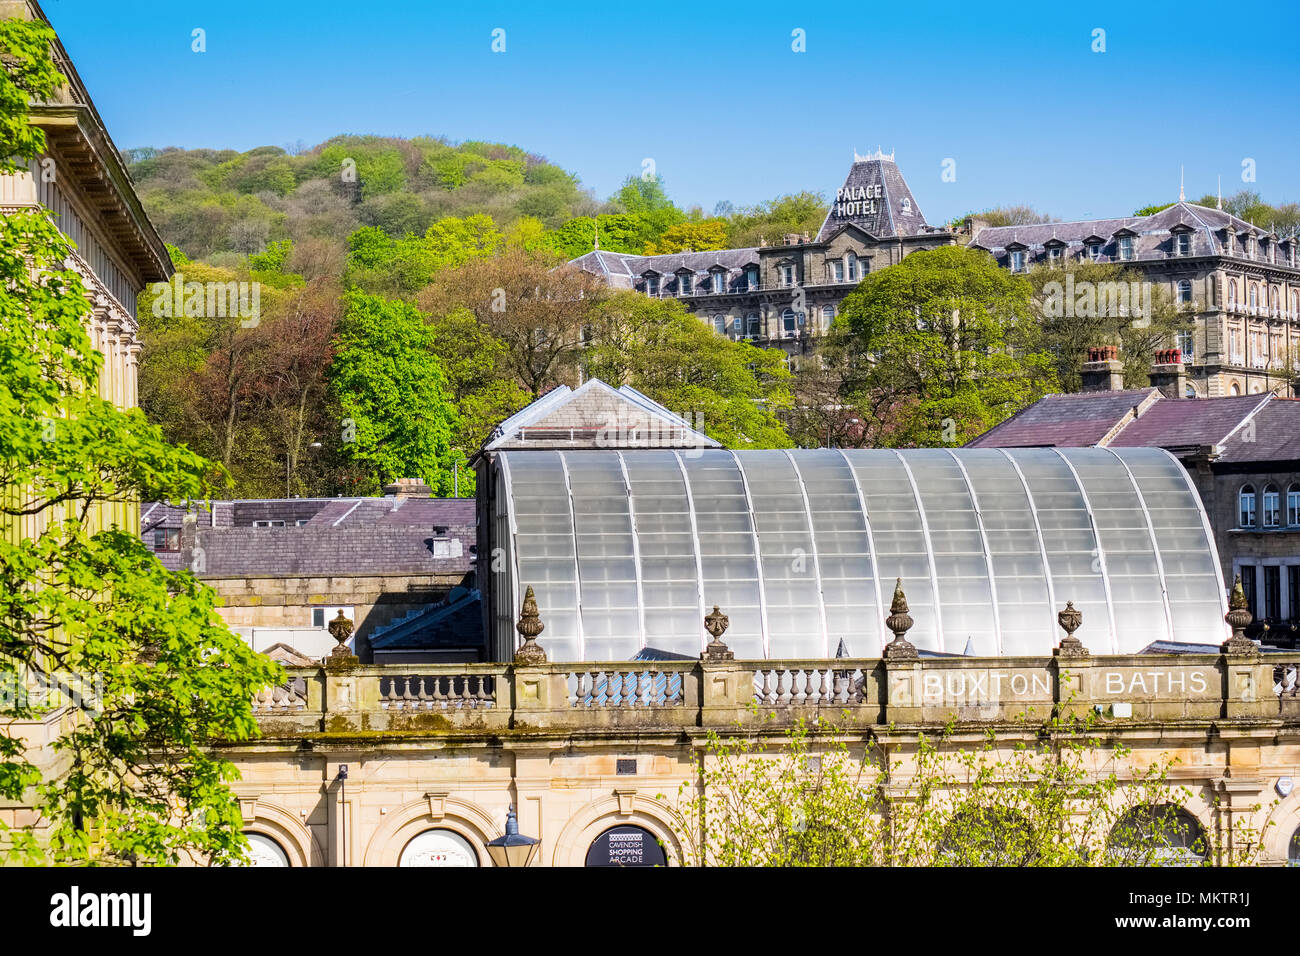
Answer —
(1153, 233)
(1188, 422)
(1069, 420)
(357, 536)
(594, 415)
(1243, 428)
(896, 211)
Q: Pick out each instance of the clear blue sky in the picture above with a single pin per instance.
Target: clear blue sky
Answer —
(715, 95)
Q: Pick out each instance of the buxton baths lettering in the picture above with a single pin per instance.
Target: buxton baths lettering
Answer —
(985, 687)
(857, 200)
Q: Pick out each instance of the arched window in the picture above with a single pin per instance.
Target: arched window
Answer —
(1232, 293)
(1236, 389)
(1293, 851)
(1184, 291)
(788, 320)
(438, 847)
(853, 267)
(263, 851)
(1161, 835)
(1272, 299)
(1254, 298)
(1246, 509)
(1189, 391)
(1293, 508)
(1295, 305)
(828, 316)
(1272, 507)
(752, 325)
(720, 324)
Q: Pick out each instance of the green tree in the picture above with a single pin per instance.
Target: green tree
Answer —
(690, 237)
(1027, 794)
(768, 221)
(1107, 305)
(129, 776)
(644, 197)
(732, 390)
(384, 265)
(398, 418)
(948, 339)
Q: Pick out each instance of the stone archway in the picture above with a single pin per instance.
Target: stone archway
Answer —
(606, 813)
(287, 831)
(433, 812)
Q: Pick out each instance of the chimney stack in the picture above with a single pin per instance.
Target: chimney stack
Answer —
(1103, 372)
(1169, 374)
(408, 488)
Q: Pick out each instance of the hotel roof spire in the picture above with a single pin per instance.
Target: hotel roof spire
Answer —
(1182, 197)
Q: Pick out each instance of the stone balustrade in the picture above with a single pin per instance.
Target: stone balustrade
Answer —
(409, 698)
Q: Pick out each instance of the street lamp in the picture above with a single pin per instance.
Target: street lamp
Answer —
(512, 849)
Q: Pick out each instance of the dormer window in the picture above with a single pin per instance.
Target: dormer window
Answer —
(683, 283)
(719, 282)
(1094, 251)
(1054, 255)
(1126, 248)
(651, 285)
(1183, 244)
(1017, 260)
(751, 278)
(785, 273)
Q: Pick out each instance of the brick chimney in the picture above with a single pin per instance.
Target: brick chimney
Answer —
(1103, 372)
(1169, 374)
(408, 488)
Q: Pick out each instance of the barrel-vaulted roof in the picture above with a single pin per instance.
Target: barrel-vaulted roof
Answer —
(627, 549)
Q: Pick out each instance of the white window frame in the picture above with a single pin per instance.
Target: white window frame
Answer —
(329, 612)
(1246, 507)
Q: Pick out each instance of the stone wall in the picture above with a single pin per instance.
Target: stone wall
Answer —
(581, 748)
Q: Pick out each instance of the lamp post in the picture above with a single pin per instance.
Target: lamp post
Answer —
(512, 849)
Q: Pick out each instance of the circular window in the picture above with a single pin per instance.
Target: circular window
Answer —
(263, 851)
(626, 846)
(438, 848)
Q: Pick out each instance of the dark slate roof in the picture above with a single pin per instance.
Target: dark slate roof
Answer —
(895, 213)
(623, 270)
(356, 536)
(1154, 235)
(1275, 435)
(1070, 420)
(456, 621)
(1188, 422)
(1245, 428)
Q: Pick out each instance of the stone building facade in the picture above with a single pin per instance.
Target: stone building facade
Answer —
(283, 568)
(785, 294)
(1242, 280)
(401, 765)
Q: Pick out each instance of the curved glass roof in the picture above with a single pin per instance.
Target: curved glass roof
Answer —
(629, 549)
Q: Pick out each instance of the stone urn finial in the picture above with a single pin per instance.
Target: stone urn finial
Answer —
(340, 629)
(716, 624)
(1070, 620)
(1238, 618)
(900, 622)
(529, 626)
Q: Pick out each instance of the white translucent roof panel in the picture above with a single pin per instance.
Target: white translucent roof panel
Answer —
(629, 549)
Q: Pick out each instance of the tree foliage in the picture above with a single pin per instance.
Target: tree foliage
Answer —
(151, 676)
(946, 339)
(397, 412)
(733, 391)
(1038, 793)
